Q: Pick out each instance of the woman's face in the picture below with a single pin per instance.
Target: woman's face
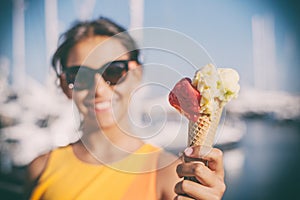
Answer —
(102, 105)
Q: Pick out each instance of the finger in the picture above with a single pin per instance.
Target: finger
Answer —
(194, 190)
(186, 169)
(197, 169)
(197, 151)
(213, 156)
(180, 197)
(215, 161)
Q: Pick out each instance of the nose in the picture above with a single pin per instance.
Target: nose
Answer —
(101, 87)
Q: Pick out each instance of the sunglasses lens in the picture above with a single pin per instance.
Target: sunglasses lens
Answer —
(115, 72)
(71, 74)
(82, 80)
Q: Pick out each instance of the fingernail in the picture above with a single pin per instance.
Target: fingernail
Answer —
(188, 151)
(180, 154)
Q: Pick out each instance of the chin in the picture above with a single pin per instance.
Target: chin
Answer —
(110, 119)
(105, 120)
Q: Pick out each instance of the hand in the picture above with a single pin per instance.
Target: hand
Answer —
(211, 177)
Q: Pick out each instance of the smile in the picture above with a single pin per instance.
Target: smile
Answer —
(102, 106)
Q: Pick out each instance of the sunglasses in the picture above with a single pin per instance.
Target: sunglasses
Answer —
(112, 72)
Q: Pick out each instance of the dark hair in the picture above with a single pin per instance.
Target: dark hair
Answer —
(80, 30)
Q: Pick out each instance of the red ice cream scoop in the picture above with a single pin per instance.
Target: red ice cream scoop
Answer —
(186, 99)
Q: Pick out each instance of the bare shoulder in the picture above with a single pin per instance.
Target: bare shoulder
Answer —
(166, 175)
(37, 167)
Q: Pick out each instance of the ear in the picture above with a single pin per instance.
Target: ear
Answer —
(64, 86)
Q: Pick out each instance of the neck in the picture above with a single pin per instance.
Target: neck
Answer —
(110, 139)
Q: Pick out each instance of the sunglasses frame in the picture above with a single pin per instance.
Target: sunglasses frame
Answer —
(100, 71)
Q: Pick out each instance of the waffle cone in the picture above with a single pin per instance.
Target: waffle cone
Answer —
(203, 131)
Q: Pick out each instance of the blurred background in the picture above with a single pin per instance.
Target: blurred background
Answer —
(259, 132)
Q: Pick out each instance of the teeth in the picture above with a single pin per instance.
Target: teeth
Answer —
(102, 105)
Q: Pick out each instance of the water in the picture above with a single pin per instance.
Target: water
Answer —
(268, 162)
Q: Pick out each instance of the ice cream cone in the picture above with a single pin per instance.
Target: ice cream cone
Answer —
(202, 101)
(203, 131)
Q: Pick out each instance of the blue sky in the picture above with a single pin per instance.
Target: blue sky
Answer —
(222, 27)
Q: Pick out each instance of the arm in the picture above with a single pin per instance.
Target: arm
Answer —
(34, 171)
(166, 176)
(212, 185)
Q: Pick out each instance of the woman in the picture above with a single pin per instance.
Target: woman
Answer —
(109, 162)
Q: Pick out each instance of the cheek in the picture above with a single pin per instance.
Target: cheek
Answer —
(124, 91)
(78, 98)
(132, 81)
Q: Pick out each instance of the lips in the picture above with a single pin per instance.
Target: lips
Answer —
(186, 99)
(102, 106)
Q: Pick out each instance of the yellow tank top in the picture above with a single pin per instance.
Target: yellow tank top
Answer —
(66, 177)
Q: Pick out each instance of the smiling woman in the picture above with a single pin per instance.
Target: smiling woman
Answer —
(102, 96)
(98, 67)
